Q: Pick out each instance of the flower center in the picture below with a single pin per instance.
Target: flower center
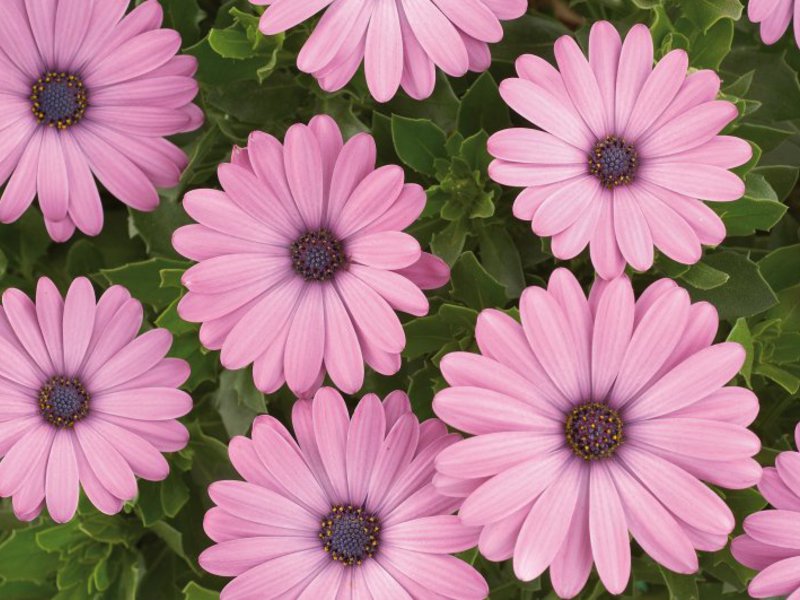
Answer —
(63, 401)
(613, 161)
(59, 99)
(317, 255)
(593, 430)
(349, 534)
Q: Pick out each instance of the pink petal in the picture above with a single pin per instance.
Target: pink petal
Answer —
(438, 36)
(781, 578)
(305, 345)
(383, 56)
(371, 313)
(443, 575)
(512, 489)
(110, 468)
(283, 15)
(286, 465)
(541, 107)
(364, 440)
(343, 359)
(62, 486)
(635, 66)
(656, 531)
(608, 529)
(657, 93)
(695, 180)
(693, 379)
(547, 524)
(651, 344)
(331, 424)
(582, 85)
(613, 327)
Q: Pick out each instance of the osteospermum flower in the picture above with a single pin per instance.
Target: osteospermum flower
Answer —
(774, 17)
(624, 153)
(401, 42)
(302, 259)
(87, 91)
(84, 402)
(346, 511)
(771, 542)
(593, 419)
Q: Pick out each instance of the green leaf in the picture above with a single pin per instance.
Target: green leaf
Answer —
(449, 242)
(705, 277)
(184, 16)
(711, 47)
(781, 267)
(501, 258)
(156, 228)
(741, 334)
(174, 493)
(238, 401)
(746, 293)
(427, 335)
(760, 209)
(22, 559)
(473, 285)
(705, 13)
(193, 591)
(418, 142)
(681, 587)
(784, 378)
(482, 108)
(143, 280)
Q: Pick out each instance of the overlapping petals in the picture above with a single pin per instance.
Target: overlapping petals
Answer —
(400, 42)
(302, 260)
(624, 153)
(137, 93)
(774, 17)
(84, 401)
(645, 380)
(380, 462)
(771, 540)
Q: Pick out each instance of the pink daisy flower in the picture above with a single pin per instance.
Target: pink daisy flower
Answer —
(303, 261)
(84, 402)
(346, 511)
(771, 542)
(624, 152)
(401, 42)
(89, 92)
(774, 17)
(592, 419)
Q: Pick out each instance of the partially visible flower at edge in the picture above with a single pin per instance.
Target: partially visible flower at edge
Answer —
(346, 511)
(88, 91)
(85, 402)
(774, 17)
(400, 42)
(771, 540)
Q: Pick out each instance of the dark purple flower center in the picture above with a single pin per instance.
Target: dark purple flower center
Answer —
(613, 161)
(594, 430)
(349, 534)
(317, 255)
(59, 99)
(63, 401)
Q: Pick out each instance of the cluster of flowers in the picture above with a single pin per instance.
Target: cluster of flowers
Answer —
(596, 418)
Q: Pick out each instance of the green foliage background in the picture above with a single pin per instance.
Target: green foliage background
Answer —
(250, 82)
